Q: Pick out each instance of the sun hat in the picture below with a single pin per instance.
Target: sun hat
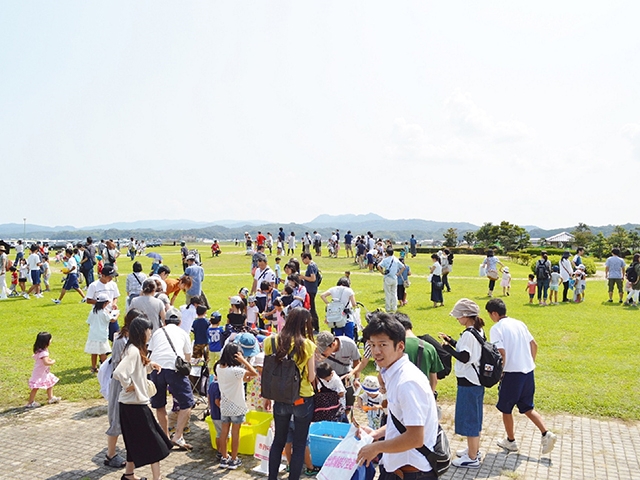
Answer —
(582, 267)
(243, 291)
(252, 298)
(173, 315)
(370, 384)
(324, 341)
(258, 360)
(190, 257)
(235, 300)
(249, 344)
(102, 297)
(505, 269)
(465, 308)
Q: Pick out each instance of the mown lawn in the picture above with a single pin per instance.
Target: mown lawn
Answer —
(587, 362)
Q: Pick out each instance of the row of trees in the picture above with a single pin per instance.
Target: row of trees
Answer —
(506, 235)
(512, 238)
(599, 245)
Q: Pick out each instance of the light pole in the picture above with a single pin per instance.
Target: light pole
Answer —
(24, 229)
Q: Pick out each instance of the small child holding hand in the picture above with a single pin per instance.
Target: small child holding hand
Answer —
(531, 287)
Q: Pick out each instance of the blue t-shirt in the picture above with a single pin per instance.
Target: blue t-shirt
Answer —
(312, 287)
(215, 335)
(347, 239)
(196, 273)
(214, 394)
(199, 328)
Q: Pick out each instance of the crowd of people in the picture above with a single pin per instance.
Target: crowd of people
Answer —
(277, 316)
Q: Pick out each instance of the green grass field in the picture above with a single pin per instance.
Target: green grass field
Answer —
(587, 362)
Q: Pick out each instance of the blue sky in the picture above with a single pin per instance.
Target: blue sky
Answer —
(484, 111)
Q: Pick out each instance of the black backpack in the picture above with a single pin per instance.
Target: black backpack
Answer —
(440, 457)
(445, 357)
(542, 270)
(632, 274)
(491, 366)
(280, 379)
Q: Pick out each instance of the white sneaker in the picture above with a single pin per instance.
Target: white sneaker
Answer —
(53, 400)
(39, 295)
(26, 295)
(548, 441)
(511, 446)
(56, 301)
(466, 462)
(465, 451)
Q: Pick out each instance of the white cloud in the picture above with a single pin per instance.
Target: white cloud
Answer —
(470, 120)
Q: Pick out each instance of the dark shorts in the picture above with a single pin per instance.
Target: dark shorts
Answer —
(71, 282)
(617, 282)
(179, 385)
(35, 277)
(516, 389)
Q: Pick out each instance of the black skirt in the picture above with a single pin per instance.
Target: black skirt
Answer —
(144, 439)
(436, 289)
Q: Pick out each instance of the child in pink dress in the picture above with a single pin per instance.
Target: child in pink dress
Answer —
(41, 376)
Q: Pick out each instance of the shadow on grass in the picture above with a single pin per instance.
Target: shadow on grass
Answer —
(76, 375)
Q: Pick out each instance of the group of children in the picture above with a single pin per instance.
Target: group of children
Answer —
(577, 283)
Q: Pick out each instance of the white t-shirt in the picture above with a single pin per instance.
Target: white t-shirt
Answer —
(555, 279)
(336, 385)
(33, 260)
(188, 316)
(438, 269)
(252, 315)
(72, 265)
(161, 351)
(266, 275)
(232, 401)
(341, 294)
(110, 288)
(566, 270)
(514, 338)
(468, 343)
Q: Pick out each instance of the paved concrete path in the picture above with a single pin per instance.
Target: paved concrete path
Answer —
(67, 441)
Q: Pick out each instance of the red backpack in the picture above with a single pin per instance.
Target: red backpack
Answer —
(307, 302)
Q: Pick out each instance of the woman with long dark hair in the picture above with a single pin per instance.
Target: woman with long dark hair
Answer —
(436, 281)
(113, 409)
(145, 440)
(296, 341)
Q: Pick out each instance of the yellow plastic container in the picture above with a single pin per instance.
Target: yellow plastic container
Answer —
(255, 423)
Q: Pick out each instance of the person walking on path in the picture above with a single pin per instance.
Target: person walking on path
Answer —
(470, 393)
(517, 387)
(614, 272)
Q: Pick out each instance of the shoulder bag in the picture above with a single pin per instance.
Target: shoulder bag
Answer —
(182, 366)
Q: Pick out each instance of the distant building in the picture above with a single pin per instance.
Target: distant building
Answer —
(561, 240)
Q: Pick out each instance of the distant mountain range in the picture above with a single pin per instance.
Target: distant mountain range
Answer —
(229, 229)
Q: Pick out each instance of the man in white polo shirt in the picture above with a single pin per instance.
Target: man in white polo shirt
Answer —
(411, 406)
